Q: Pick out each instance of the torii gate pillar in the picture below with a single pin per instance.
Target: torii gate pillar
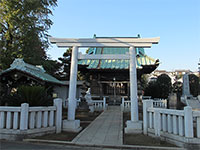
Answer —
(133, 125)
(71, 124)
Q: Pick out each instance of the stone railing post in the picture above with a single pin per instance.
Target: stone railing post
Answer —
(198, 97)
(198, 127)
(188, 121)
(157, 122)
(146, 104)
(58, 119)
(104, 103)
(24, 116)
(122, 105)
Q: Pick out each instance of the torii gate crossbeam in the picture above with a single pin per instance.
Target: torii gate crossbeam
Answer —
(133, 125)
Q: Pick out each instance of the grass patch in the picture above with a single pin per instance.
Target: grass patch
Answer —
(144, 140)
(63, 136)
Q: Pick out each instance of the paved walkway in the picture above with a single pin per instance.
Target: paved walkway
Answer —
(106, 129)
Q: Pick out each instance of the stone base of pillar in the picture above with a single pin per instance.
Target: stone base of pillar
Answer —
(71, 125)
(133, 127)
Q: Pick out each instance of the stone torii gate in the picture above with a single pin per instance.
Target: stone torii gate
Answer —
(133, 125)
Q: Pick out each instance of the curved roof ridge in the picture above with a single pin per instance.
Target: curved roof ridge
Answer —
(37, 72)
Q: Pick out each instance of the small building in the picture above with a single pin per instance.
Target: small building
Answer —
(21, 73)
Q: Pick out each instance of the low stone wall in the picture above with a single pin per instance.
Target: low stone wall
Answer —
(157, 103)
(180, 127)
(65, 102)
(17, 123)
(96, 105)
(99, 105)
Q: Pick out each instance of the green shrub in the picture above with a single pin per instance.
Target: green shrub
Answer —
(33, 95)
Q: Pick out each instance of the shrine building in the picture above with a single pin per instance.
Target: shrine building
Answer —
(110, 77)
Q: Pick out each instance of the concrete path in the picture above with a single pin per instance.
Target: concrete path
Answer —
(106, 129)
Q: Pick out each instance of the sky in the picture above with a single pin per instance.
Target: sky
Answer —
(176, 22)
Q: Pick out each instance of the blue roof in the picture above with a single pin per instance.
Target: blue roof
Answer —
(142, 59)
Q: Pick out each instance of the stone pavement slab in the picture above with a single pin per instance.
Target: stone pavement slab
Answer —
(106, 129)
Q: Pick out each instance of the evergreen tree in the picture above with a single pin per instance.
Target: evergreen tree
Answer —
(165, 85)
(65, 64)
(64, 71)
(152, 90)
(24, 28)
(159, 88)
(144, 81)
(177, 87)
(194, 85)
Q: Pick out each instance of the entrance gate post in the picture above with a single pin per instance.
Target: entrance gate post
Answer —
(133, 84)
(133, 125)
(71, 124)
(72, 84)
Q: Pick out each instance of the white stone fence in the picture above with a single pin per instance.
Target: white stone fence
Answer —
(158, 103)
(177, 126)
(65, 102)
(99, 105)
(125, 105)
(25, 121)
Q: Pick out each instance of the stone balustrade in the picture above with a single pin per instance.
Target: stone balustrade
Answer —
(125, 105)
(157, 103)
(160, 103)
(99, 105)
(178, 126)
(65, 102)
(16, 122)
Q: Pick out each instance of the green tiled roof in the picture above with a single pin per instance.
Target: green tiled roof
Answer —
(142, 59)
(36, 71)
